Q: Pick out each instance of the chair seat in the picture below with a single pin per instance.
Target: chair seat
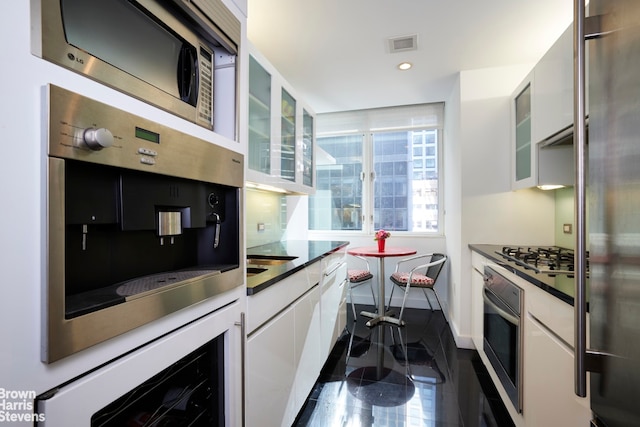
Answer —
(417, 280)
(356, 276)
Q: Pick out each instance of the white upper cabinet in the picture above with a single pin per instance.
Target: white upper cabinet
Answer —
(281, 131)
(542, 109)
(553, 92)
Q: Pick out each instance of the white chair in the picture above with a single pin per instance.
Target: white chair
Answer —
(421, 276)
(359, 277)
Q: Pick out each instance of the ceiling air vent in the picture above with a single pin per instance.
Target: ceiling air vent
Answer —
(403, 44)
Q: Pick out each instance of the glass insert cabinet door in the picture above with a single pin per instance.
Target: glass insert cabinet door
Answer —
(523, 134)
(259, 117)
(288, 135)
(307, 149)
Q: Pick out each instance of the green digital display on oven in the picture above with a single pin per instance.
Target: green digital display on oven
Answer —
(147, 135)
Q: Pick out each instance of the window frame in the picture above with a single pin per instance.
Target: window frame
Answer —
(368, 176)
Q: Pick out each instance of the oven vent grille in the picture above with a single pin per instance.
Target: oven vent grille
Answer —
(403, 43)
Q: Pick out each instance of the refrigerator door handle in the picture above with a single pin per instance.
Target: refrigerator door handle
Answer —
(579, 113)
(585, 359)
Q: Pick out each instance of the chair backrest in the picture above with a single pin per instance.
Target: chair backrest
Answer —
(434, 270)
(361, 263)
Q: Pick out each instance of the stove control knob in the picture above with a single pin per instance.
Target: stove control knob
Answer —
(97, 139)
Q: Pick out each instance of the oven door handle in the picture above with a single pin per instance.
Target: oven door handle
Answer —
(496, 305)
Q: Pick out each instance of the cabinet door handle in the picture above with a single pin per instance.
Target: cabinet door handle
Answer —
(243, 349)
(333, 269)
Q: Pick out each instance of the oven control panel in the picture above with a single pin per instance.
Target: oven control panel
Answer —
(504, 289)
(84, 129)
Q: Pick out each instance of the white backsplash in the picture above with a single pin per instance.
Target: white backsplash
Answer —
(565, 208)
(265, 210)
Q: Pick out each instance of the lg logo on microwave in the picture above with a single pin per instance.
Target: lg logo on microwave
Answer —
(72, 57)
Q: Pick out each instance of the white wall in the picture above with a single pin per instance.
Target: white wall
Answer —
(453, 211)
(489, 211)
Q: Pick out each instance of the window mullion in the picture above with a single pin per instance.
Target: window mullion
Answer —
(368, 184)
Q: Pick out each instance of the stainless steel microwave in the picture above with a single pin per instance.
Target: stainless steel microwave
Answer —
(164, 52)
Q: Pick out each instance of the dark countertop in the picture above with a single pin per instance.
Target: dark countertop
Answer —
(306, 252)
(561, 286)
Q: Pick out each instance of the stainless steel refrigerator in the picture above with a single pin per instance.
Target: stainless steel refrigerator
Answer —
(612, 190)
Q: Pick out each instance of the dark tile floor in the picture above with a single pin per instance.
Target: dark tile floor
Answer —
(409, 376)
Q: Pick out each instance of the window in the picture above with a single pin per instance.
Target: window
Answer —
(338, 198)
(379, 169)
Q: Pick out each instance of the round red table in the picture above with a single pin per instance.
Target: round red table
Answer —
(373, 252)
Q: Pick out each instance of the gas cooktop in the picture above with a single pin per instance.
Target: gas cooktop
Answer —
(552, 260)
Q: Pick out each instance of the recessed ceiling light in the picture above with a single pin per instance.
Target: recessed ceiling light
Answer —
(404, 66)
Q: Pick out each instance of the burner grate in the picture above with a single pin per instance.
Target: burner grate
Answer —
(550, 260)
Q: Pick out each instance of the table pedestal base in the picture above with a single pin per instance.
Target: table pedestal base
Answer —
(376, 319)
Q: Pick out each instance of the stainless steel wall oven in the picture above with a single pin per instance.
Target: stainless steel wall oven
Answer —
(503, 302)
(143, 221)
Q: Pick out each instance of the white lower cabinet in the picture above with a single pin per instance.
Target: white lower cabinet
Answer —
(549, 398)
(285, 353)
(270, 377)
(283, 363)
(307, 349)
(333, 305)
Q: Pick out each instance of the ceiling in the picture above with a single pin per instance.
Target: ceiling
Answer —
(335, 53)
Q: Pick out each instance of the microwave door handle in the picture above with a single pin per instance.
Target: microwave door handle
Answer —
(503, 313)
(187, 75)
